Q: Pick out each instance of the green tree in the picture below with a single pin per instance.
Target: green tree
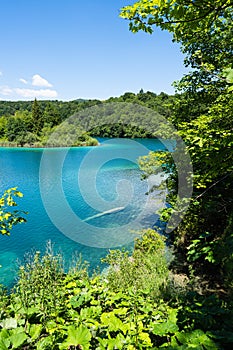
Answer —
(204, 29)
(3, 124)
(37, 117)
(26, 118)
(15, 129)
(51, 115)
(203, 115)
(18, 128)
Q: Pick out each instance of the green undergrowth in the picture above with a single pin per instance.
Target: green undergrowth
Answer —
(137, 303)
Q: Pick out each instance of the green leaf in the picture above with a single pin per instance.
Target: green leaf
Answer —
(4, 344)
(196, 340)
(71, 285)
(4, 339)
(78, 336)
(35, 331)
(77, 301)
(145, 338)
(18, 339)
(111, 321)
(4, 334)
(167, 327)
(44, 344)
(228, 73)
(19, 194)
(51, 327)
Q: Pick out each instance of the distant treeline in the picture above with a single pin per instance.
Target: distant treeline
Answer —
(30, 123)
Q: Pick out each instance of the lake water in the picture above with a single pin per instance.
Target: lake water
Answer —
(85, 200)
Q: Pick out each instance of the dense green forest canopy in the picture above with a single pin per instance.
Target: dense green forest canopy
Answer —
(31, 123)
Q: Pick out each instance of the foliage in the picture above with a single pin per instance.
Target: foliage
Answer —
(209, 140)
(37, 121)
(69, 134)
(134, 304)
(202, 27)
(32, 123)
(145, 270)
(54, 309)
(9, 218)
(202, 115)
(3, 123)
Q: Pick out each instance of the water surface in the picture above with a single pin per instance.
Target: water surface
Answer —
(109, 173)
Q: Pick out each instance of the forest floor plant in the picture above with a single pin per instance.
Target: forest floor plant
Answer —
(135, 304)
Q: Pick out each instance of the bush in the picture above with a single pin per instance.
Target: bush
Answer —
(51, 309)
(145, 270)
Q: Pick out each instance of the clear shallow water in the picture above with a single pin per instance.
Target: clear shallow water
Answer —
(63, 187)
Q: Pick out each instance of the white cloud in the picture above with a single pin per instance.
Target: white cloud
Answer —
(37, 80)
(23, 81)
(0, 73)
(5, 90)
(32, 93)
(38, 87)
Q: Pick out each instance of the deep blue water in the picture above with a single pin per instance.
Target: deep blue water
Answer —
(63, 187)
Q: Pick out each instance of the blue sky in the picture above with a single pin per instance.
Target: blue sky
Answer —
(69, 49)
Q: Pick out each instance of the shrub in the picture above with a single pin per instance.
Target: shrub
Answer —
(145, 270)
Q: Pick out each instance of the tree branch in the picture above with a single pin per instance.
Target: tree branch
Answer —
(211, 9)
(213, 185)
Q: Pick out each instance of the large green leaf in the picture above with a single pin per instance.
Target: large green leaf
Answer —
(78, 336)
(45, 343)
(4, 344)
(35, 331)
(18, 339)
(111, 321)
(4, 339)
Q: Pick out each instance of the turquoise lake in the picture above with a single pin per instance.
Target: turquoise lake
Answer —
(84, 200)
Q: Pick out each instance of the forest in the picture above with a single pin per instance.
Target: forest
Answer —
(29, 123)
(147, 299)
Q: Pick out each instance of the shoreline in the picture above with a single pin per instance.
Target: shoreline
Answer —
(27, 146)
